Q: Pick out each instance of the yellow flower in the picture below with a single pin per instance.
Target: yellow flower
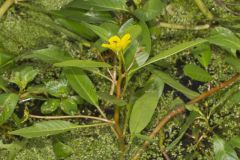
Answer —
(117, 44)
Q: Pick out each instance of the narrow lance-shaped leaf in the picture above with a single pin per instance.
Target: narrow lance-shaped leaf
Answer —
(99, 5)
(100, 31)
(225, 38)
(82, 64)
(145, 105)
(79, 16)
(76, 27)
(170, 52)
(49, 55)
(47, 128)
(174, 83)
(81, 83)
(142, 111)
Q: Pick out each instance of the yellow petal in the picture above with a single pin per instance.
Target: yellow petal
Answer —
(106, 45)
(114, 40)
(113, 47)
(126, 39)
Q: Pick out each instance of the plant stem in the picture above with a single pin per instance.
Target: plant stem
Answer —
(6, 5)
(187, 27)
(70, 117)
(117, 111)
(181, 109)
(204, 9)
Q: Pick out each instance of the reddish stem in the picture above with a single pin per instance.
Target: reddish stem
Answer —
(180, 110)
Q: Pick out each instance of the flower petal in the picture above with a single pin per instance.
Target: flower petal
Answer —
(106, 45)
(114, 40)
(126, 39)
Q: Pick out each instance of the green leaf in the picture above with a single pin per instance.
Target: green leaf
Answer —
(196, 73)
(154, 83)
(175, 84)
(126, 25)
(235, 142)
(144, 106)
(8, 103)
(145, 45)
(3, 84)
(170, 52)
(78, 15)
(5, 59)
(134, 30)
(49, 55)
(111, 99)
(150, 10)
(130, 53)
(234, 62)
(47, 128)
(222, 150)
(23, 75)
(77, 27)
(203, 53)
(146, 41)
(50, 106)
(142, 111)
(69, 106)
(58, 88)
(96, 5)
(225, 38)
(81, 83)
(100, 31)
(82, 64)
(110, 27)
(62, 150)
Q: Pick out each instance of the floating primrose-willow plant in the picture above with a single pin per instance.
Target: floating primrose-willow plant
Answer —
(105, 28)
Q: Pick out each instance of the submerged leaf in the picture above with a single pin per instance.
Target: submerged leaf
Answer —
(50, 106)
(69, 106)
(62, 150)
(23, 75)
